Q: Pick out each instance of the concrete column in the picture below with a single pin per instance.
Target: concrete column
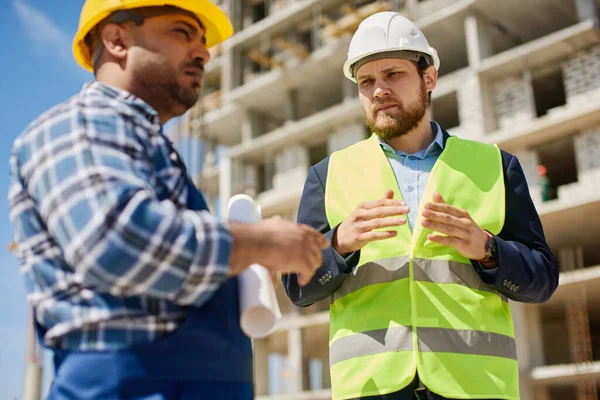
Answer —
(227, 72)
(261, 367)
(530, 345)
(316, 31)
(224, 185)
(587, 9)
(472, 35)
(470, 110)
(295, 359)
(247, 127)
(236, 14)
(291, 105)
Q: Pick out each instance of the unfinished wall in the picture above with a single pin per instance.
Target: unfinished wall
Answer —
(582, 76)
(513, 103)
(291, 166)
(587, 150)
(470, 111)
(345, 136)
(529, 161)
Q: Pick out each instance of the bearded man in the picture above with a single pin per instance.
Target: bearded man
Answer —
(430, 236)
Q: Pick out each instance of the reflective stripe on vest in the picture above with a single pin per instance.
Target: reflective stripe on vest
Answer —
(412, 303)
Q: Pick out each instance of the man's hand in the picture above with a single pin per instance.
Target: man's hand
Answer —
(357, 230)
(278, 245)
(463, 233)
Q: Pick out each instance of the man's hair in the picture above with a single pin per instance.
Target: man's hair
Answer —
(422, 65)
(136, 15)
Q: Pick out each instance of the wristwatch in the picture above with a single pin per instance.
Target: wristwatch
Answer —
(491, 249)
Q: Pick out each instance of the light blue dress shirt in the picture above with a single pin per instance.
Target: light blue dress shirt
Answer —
(412, 170)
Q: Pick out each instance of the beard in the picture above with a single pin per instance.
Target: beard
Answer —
(159, 82)
(389, 126)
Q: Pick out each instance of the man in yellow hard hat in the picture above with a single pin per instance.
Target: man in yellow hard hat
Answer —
(131, 279)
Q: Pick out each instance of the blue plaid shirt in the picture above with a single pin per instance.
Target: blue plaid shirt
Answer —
(110, 251)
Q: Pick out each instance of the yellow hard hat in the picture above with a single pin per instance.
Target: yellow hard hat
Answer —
(217, 24)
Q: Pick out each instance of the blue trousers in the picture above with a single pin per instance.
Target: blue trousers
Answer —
(114, 375)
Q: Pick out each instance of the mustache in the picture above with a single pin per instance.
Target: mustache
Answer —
(377, 106)
(196, 63)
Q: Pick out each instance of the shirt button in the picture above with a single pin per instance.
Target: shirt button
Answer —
(156, 127)
(411, 188)
(173, 157)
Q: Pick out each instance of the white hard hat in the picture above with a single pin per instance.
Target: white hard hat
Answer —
(388, 34)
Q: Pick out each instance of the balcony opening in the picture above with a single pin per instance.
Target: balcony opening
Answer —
(509, 26)
(548, 91)
(315, 357)
(258, 11)
(562, 392)
(595, 328)
(266, 173)
(558, 157)
(272, 365)
(450, 43)
(555, 335)
(444, 111)
(317, 152)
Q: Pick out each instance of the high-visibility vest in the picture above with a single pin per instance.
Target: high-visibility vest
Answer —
(415, 305)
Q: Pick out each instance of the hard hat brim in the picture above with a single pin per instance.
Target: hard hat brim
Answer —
(217, 23)
(348, 65)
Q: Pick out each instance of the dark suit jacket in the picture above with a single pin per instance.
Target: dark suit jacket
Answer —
(527, 270)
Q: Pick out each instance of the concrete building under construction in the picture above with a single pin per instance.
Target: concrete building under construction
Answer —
(524, 74)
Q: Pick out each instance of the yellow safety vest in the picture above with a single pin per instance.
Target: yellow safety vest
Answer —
(412, 304)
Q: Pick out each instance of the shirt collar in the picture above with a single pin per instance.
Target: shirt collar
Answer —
(96, 88)
(437, 144)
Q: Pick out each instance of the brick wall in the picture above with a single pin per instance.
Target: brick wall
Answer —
(470, 109)
(582, 76)
(512, 101)
(587, 153)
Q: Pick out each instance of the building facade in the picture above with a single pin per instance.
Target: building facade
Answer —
(524, 74)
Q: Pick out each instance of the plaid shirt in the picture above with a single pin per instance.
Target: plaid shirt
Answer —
(111, 253)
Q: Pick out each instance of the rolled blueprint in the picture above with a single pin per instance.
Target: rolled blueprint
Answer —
(259, 310)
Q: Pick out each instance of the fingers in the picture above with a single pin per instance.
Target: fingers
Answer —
(379, 223)
(447, 240)
(315, 259)
(382, 212)
(389, 194)
(376, 235)
(449, 219)
(314, 235)
(446, 209)
(448, 229)
(385, 201)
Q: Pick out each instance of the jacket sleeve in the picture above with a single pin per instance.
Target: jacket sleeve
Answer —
(335, 268)
(527, 270)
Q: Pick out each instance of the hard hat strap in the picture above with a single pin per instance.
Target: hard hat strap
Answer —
(423, 60)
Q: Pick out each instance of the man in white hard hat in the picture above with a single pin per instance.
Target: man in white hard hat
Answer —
(132, 279)
(431, 235)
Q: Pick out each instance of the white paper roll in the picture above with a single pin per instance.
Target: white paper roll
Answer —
(259, 310)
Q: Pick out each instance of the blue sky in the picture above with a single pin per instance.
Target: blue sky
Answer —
(37, 71)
